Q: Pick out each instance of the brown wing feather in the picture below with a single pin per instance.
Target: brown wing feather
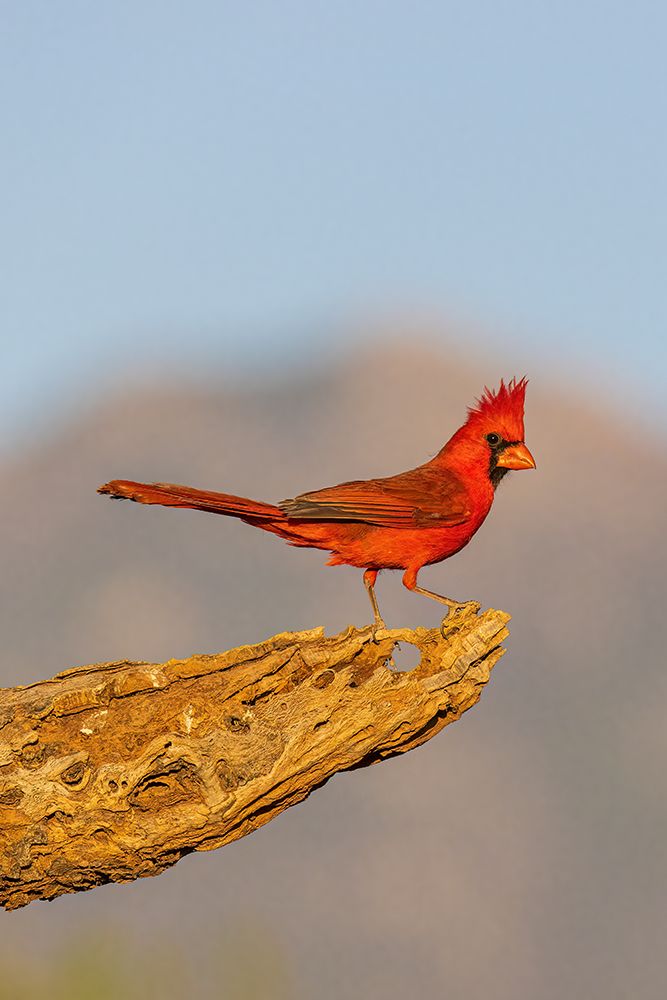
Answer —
(422, 497)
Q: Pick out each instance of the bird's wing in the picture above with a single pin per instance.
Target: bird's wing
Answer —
(420, 498)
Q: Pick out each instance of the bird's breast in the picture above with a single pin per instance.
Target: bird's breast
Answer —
(397, 548)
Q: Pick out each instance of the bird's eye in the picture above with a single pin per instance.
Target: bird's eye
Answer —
(493, 439)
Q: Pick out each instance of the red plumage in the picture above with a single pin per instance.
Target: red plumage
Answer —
(403, 522)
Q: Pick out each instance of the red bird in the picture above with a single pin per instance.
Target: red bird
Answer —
(407, 521)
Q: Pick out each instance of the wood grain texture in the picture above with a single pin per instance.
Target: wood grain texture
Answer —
(114, 771)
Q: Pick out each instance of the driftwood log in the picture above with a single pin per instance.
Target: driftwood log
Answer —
(115, 771)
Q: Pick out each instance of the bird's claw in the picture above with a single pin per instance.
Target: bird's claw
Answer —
(456, 611)
(465, 608)
(376, 627)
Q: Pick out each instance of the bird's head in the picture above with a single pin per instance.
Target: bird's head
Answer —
(494, 431)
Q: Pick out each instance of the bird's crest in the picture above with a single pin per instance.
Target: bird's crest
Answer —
(504, 407)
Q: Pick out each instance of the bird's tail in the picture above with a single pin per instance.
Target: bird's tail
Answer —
(172, 495)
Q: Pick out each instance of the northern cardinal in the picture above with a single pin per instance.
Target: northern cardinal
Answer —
(407, 521)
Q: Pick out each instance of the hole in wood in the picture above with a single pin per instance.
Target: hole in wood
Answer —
(405, 657)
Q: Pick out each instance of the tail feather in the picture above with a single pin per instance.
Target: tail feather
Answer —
(173, 495)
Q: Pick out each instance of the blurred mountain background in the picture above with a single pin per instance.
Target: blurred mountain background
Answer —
(269, 247)
(528, 832)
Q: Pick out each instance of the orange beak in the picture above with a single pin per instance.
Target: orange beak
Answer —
(516, 456)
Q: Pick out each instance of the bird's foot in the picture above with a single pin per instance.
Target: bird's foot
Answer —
(457, 610)
(463, 608)
(377, 627)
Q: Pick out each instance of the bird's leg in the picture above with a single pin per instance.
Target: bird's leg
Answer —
(370, 576)
(455, 607)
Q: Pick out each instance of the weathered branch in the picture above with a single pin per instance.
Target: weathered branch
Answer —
(115, 771)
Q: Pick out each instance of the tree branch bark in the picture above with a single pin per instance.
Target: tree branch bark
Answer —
(114, 771)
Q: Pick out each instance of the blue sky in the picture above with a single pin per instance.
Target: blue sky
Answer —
(235, 181)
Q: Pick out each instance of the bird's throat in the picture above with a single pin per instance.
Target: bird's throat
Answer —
(496, 473)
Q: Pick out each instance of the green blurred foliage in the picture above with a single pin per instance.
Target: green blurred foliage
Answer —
(245, 963)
